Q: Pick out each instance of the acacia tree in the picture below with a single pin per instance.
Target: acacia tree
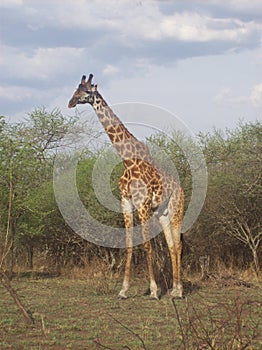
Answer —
(6, 180)
(27, 153)
(235, 187)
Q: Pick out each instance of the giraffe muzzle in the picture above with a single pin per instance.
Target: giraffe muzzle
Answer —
(72, 103)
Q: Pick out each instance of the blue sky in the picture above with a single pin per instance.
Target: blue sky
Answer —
(202, 60)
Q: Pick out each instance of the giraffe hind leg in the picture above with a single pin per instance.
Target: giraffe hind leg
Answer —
(173, 238)
(177, 290)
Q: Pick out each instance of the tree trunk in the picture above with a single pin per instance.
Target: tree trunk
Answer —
(6, 283)
(256, 262)
(30, 255)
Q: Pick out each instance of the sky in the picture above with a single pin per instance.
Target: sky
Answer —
(201, 60)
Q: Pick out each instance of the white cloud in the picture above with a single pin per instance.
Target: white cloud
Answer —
(110, 69)
(55, 42)
(30, 98)
(256, 95)
(41, 64)
(226, 95)
(134, 20)
(201, 28)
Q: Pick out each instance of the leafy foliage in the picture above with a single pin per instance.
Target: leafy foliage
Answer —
(228, 229)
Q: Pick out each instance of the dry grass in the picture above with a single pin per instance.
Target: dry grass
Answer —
(85, 314)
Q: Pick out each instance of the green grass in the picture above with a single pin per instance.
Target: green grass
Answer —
(77, 314)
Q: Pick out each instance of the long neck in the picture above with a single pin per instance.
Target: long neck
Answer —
(128, 147)
(113, 126)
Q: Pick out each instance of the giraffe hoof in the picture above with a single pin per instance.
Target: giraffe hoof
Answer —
(176, 294)
(153, 296)
(122, 296)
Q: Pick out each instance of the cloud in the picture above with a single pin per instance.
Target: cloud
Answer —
(146, 22)
(47, 45)
(52, 37)
(254, 98)
(193, 27)
(27, 98)
(256, 95)
(133, 21)
(110, 69)
(40, 64)
(225, 94)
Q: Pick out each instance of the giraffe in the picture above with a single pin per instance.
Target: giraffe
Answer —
(143, 186)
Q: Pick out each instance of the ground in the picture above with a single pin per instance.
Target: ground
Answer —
(79, 314)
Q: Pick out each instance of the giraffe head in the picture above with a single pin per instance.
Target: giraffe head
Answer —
(84, 93)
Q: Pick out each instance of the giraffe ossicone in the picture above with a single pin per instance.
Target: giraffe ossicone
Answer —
(143, 185)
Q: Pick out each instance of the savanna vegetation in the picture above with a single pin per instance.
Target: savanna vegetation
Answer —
(34, 234)
(36, 241)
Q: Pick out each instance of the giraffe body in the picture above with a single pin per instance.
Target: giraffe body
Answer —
(143, 187)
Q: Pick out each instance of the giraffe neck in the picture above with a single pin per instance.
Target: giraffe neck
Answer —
(128, 147)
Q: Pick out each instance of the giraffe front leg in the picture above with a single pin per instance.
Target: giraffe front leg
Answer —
(148, 248)
(128, 219)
